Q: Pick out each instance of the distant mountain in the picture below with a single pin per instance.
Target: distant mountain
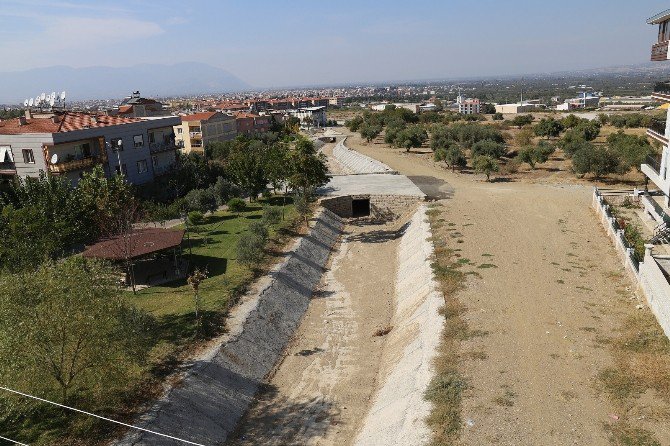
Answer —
(118, 82)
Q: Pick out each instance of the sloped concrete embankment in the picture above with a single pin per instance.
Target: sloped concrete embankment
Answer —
(357, 163)
(397, 414)
(206, 406)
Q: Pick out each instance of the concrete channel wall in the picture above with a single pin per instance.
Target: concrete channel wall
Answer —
(356, 162)
(398, 412)
(216, 392)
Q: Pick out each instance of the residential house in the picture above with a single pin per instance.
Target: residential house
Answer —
(250, 123)
(315, 116)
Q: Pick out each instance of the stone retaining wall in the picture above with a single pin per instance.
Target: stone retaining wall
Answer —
(398, 412)
(356, 162)
(382, 207)
(216, 392)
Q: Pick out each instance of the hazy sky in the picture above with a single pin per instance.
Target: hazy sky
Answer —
(296, 42)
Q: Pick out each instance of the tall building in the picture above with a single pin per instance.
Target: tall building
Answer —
(468, 106)
(199, 129)
(656, 168)
(71, 143)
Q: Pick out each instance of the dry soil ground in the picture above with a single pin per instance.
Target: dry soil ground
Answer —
(551, 292)
(321, 391)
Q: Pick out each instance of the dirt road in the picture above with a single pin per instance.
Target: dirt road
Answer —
(551, 289)
(322, 389)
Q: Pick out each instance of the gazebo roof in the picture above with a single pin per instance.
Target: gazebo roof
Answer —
(136, 244)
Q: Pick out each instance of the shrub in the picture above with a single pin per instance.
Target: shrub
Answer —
(486, 165)
(250, 249)
(488, 147)
(498, 117)
(452, 155)
(595, 160)
(271, 215)
(196, 217)
(260, 230)
(237, 205)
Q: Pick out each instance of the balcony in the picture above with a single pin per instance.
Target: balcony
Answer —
(662, 91)
(657, 131)
(7, 169)
(652, 168)
(77, 164)
(659, 51)
(195, 135)
(160, 147)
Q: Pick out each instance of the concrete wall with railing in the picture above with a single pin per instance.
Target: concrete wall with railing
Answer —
(648, 276)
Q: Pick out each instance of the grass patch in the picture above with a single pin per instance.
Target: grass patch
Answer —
(447, 385)
(487, 255)
(505, 400)
(622, 434)
(487, 265)
(561, 281)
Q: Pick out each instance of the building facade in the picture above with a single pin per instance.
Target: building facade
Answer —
(468, 106)
(135, 106)
(68, 144)
(656, 168)
(314, 115)
(250, 124)
(197, 130)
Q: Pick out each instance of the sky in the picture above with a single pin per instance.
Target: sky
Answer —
(273, 43)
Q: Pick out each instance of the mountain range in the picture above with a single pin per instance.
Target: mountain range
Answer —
(151, 80)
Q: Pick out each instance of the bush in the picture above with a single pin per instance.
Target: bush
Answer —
(271, 215)
(223, 190)
(260, 230)
(202, 200)
(250, 249)
(452, 155)
(498, 117)
(595, 160)
(237, 205)
(486, 165)
(196, 217)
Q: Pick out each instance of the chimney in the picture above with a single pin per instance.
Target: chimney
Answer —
(22, 120)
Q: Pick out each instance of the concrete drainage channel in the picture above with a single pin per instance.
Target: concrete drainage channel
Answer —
(207, 405)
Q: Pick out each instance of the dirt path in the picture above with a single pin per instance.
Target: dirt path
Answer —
(550, 290)
(322, 389)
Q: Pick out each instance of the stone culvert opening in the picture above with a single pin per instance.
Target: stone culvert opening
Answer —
(360, 207)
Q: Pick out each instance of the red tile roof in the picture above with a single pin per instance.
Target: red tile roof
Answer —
(65, 122)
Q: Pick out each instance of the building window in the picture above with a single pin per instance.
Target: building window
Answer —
(82, 150)
(180, 130)
(122, 171)
(28, 156)
(154, 160)
(152, 138)
(117, 144)
(142, 166)
(138, 141)
(6, 154)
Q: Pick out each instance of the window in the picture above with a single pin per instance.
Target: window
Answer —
(154, 161)
(6, 154)
(82, 150)
(152, 138)
(142, 166)
(180, 130)
(117, 144)
(122, 171)
(138, 141)
(28, 156)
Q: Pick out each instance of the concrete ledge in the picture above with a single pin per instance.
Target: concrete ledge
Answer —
(397, 415)
(216, 392)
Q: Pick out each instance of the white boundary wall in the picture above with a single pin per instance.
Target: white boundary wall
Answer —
(356, 162)
(399, 410)
(649, 277)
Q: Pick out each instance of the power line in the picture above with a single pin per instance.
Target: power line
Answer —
(13, 441)
(100, 417)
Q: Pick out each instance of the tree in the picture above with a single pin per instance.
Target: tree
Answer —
(632, 150)
(521, 120)
(453, 156)
(67, 329)
(486, 165)
(536, 154)
(595, 160)
(196, 218)
(195, 279)
(571, 121)
(498, 117)
(223, 190)
(246, 168)
(548, 127)
(308, 167)
(412, 136)
(202, 200)
(488, 148)
(369, 131)
(354, 123)
(488, 109)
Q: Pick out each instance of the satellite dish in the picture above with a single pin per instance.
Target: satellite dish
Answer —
(54, 158)
(53, 95)
(43, 96)
(52, 101)
(30, 102)
(62, 96)
(25, 103)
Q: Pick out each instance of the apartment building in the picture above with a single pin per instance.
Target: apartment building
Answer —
(656, 168)
(249, 123)
(135, 106)
(197, 130)
(468, 106)
(315, 115)
(71, 143)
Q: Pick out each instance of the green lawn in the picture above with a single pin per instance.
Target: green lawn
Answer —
(213, 246)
